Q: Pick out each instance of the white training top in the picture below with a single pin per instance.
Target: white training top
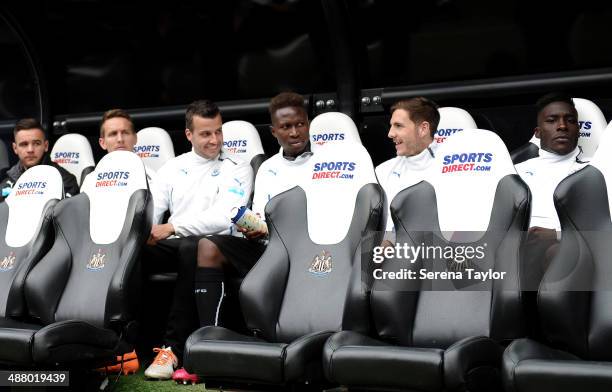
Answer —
(542, 174)
(200, 193)
(276, 175)
(400, 172)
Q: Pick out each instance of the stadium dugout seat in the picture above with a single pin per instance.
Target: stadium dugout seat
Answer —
(332, 128)
(4, 158)
(79, 295)
(154, 146)
(241, 140)
(73, 152)
(452, 120)
(592, 125)
(445, 335)
(307, 284)
(575, 294)
(25, 234)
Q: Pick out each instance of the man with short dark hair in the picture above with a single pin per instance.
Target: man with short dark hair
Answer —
(220, 254)
(559, 156)
(199, 189)
(412, 127)
(117, 131)
(30, 145)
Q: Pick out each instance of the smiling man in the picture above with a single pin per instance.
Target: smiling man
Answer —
(31, 146)
(199, 189)
(411, 128)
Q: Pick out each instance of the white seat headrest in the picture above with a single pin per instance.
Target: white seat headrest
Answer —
(333, 177)
(452, 120)
(592, 125)
(26, 202)
(601, 160)
(109, 188)
(154, 147)
(332, 128)
(241, 140)
(465, 174)
(73, 152)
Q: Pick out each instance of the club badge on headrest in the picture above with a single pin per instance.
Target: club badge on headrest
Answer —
(8, 262)
(96, 261)
(321, 264)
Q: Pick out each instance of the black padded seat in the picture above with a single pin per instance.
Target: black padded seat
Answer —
(574, 297)
(307, 284)
(525, 152)
(81, 294)
(445, 335)
(16, 340)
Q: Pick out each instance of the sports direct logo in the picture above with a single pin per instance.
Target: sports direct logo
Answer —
(585, 126)
(323, 138)
(235, 146)
(150, 151)
(333, 170)
(66, 157)
(467, 162)
(31, 188)
(441, 134)
(112, 178)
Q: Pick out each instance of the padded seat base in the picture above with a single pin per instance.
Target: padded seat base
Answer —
(532, 366)
(16, 340)
(73, 341)
(355, 360)
(217, 353)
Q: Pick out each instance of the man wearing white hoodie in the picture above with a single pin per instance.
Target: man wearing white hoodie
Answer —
(412, 127)
(559, 156)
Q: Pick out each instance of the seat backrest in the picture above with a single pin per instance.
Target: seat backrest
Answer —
(332, 128)
(592, 124)
(452, 120)
(580, 276)
(25, 232)
(87, 273)
(73, 152)
(310, 276)
(154, 146)
(241, 140)
(472, 190)
(4, 157)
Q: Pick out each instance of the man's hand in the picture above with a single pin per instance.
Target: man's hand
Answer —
(253, 234)
(160, 232)
(541, 234)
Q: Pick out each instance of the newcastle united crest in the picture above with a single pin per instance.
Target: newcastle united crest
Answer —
(96, 261)
(8, 262)
(321, 264)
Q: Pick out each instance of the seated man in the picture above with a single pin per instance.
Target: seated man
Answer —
(199, 189)
(219, 253)
(559, 156)
(117, 131)
(30, 145)
(413, 125)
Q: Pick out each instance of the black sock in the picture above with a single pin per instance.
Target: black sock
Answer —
(209, 293)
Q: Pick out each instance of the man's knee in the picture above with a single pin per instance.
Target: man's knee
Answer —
(209, 255)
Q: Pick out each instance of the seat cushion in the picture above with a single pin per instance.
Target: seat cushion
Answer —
(532, 366)
(73, 341)
(16, 340)
(218, 353)
(353, 359)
